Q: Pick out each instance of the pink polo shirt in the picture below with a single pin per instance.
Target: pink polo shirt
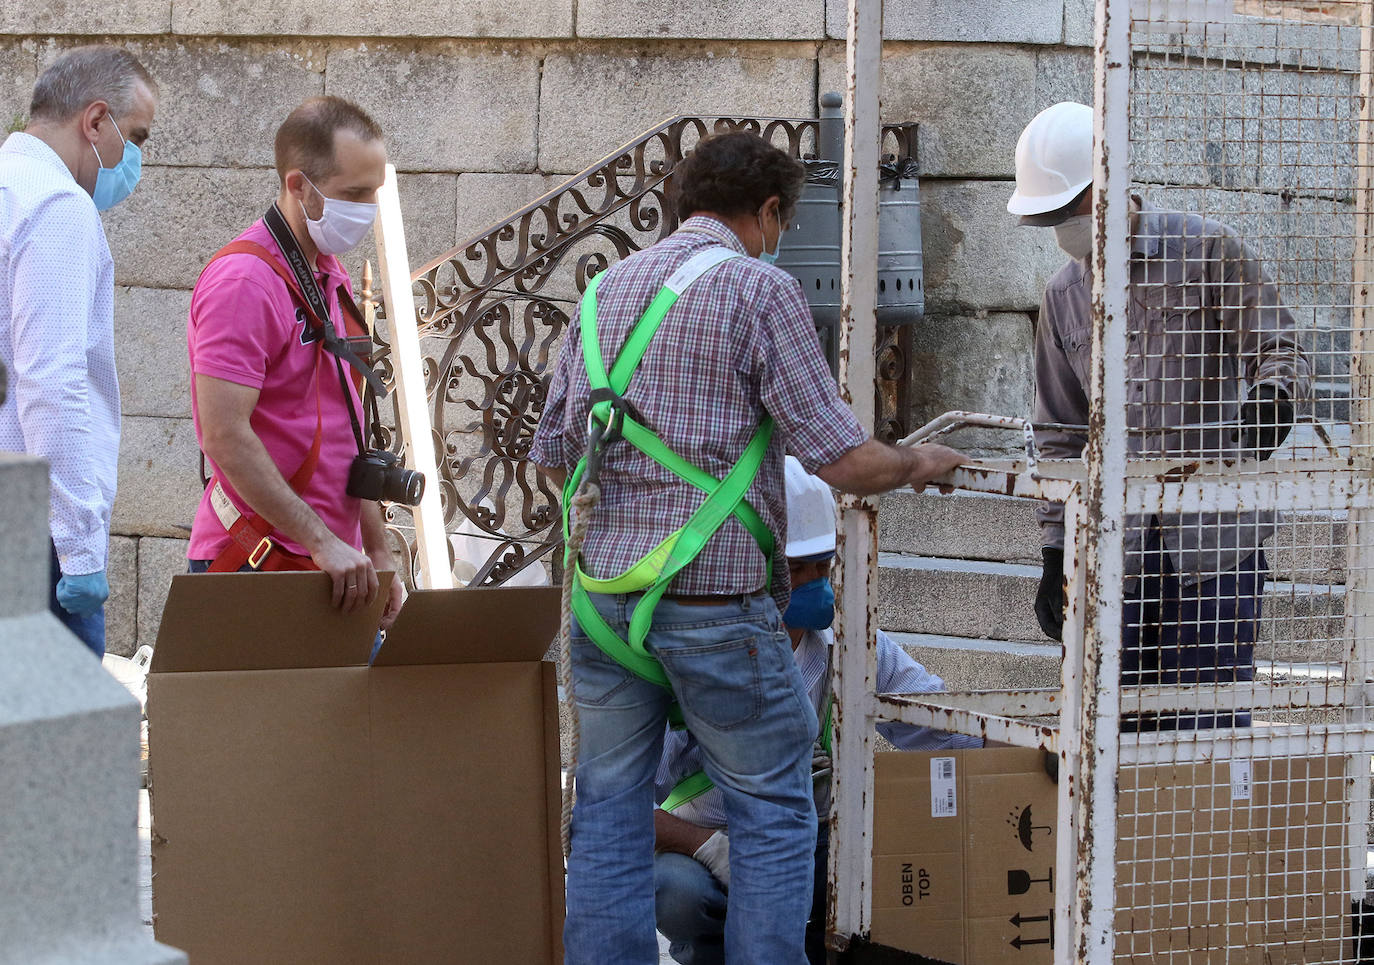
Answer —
(246, 328)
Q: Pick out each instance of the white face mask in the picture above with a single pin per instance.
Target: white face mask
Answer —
(1075, 236)
(342, 226)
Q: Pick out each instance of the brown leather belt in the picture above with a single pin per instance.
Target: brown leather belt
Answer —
(707, 599)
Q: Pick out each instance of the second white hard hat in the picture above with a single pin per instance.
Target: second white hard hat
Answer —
(810, 512)
(1054, 159)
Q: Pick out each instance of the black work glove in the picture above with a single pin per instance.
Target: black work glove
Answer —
(1265, 421)
(1049, 599)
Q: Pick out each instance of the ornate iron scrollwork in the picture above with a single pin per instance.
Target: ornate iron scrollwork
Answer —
(492, 312)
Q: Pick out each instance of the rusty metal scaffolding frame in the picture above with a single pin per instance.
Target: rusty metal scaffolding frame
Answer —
(1296, 121)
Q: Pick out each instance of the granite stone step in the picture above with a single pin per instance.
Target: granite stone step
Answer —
(966, 663)
(959, 526)
(1303, 622)
(1308, 547)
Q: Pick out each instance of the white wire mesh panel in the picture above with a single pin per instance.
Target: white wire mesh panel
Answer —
(1242, 809)
(1235, 861)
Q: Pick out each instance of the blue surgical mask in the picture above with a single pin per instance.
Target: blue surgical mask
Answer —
(770, 257)
(812, 606)
(113, 185)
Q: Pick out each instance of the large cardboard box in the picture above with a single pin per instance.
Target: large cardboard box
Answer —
(311, 808)
(1221, 862)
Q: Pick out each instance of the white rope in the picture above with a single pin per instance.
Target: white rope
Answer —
(583, 505)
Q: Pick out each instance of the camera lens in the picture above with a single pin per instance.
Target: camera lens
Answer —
(414, 488)
(404, 486)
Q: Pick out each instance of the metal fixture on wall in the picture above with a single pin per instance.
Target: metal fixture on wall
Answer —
(811, 252)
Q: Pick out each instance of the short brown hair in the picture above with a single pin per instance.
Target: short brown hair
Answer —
(733, 174)
(305, 139)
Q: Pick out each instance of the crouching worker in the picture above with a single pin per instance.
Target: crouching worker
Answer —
(692, 866)
(275, 376)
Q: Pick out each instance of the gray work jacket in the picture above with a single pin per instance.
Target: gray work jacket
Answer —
(1205, 327)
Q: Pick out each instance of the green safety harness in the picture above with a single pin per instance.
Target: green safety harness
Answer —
(613, 418)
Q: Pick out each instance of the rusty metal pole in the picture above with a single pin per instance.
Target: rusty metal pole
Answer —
(1100, 708)
(1070, 729)
(1359, 594)
(851, 816)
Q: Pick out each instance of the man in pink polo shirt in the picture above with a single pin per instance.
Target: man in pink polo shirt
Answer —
(276, 415)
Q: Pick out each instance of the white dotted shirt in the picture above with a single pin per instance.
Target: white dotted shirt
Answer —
(57, 341)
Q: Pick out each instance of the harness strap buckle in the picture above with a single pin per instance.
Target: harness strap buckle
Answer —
(260, 552)
(620, 408)
(601, 435)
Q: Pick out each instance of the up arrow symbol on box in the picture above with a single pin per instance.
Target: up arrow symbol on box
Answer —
(1018, 920)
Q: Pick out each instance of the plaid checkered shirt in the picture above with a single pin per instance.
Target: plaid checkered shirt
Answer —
(737, 346)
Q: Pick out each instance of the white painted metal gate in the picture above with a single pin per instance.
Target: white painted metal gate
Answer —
(1205, 816)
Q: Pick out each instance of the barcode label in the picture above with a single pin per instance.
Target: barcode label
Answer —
(943, 802)
(1241, 786)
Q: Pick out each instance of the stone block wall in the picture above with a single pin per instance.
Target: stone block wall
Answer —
(488, 104)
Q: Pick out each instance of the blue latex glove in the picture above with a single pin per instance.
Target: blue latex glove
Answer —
(82, 595)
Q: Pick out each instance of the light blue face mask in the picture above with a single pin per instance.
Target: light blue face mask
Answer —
(770, 257)
(113, 185)
(812, 606)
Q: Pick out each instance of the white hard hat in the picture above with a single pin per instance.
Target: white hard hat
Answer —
(1054, 159)
(810, 512)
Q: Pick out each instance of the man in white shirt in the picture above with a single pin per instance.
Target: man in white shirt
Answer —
(79, 155)
(691, 835)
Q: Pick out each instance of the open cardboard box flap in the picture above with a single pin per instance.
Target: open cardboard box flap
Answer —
(406, 812)
(498, 624)
(206, 626)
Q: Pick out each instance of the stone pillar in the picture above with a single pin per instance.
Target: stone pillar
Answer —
(69, 756)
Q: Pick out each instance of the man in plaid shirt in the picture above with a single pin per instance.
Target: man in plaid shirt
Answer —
(737, 347)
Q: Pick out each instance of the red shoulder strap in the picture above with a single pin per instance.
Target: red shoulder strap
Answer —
(250, 536)
(242, 247)
(351, 313)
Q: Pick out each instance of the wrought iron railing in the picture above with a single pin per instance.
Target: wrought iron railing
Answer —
(492, 310)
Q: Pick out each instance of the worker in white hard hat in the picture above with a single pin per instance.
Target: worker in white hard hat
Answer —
(691, 864)
(1213, 370)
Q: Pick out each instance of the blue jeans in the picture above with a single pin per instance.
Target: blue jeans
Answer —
(1182, 634)
(690, 905)
(731, 669)
(89, 628)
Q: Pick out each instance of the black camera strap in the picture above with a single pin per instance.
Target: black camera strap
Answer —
(352, 415)
(314, 299)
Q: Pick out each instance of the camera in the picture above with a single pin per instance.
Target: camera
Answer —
(376, 475)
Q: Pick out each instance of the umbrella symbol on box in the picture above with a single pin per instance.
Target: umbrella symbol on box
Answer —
(1026, 827)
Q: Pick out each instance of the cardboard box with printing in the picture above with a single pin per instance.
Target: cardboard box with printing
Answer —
(1222, 862)
(311, 808)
